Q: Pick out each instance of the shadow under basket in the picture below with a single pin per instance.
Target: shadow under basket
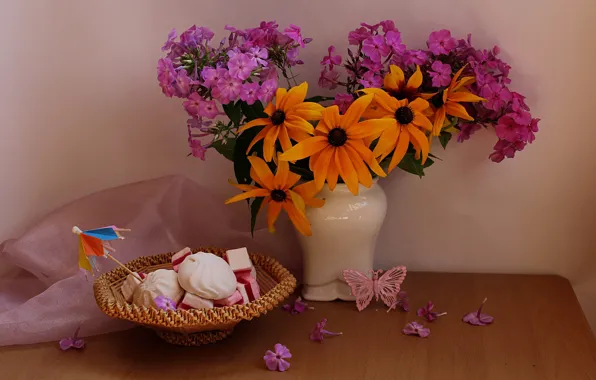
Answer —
(193, 327)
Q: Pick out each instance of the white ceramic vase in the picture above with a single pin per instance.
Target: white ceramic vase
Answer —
(344, 235)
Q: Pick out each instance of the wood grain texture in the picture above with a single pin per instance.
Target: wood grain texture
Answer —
(539, 333)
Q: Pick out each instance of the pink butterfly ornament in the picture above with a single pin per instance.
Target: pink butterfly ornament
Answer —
(74, 342)
(385, 286)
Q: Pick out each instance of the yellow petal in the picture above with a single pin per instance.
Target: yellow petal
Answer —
(248, 194)
(260, 136)
(457, 110)
(418, 104)
(354, 112)
(281, 175)
(241, 186)
(307, 111)
(280, 94)
(364, 176)
(298, 219)
(272, 214)
(295, 122)
(376, 168)
(346, 170)
(422, 121)
(254, 123)
(421, 140)
(398, 74)
(464, 96)
(464, 82)
(455, 78)
(298, 201)
(438, 122)
(269, 143)
(307, 191)
(330, 118)
(415, 80)
(294, 97)
(332, 172)
(305, 148)
(292, 179)
(284, 138)
(321, 166)
(387, 142)
(370, 127)
(255, 177)
(270, 109)
(390, 82)
(297, 135)
(367, 156)
(262, 172)
(400, 151)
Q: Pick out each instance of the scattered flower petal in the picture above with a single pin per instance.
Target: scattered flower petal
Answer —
(164, 303)
(477, 318)
(275, 361)
(319, 332)
(415, 328)
(74, 342)
(298, 307)
(403, 302)
(427, 313)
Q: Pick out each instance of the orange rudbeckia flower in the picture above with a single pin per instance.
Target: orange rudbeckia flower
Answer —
(287, 119)
(279, 193)
(337, 149)
(402, 121)
(446, 102)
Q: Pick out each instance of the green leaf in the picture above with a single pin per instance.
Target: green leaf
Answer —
(234, 111)
(444, 138)
(252, 112)
(428, 163)
(435, 157)
(318, 99)
(411, 165)
(227, 149)
(254, 210)
(241, 163)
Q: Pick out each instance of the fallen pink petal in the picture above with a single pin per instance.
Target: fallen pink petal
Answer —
(427, 313)
(74, 342)
(298, 307)
(477, 318)
(164, 303)
(275, 361)
(415, 328)
(403, 302)
(319, 332)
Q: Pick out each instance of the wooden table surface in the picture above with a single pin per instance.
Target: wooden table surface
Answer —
(539, 332)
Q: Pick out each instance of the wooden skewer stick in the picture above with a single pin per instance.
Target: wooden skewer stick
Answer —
(122, 265)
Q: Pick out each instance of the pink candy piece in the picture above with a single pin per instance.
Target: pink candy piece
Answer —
(239, 260)
(179, 257)
(192, 301)
(242, 289)
(251, 285)
(235, 298)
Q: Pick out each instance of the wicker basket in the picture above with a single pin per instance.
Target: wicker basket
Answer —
(193, 327)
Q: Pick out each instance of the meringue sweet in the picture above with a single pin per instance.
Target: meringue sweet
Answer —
(162, 282)
(130, 284)
(207, 275)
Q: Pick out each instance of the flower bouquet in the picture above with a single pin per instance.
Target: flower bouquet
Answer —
(245, 102)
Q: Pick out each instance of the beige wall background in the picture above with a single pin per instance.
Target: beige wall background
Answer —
(78, 91)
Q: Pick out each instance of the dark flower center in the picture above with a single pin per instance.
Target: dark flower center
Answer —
(403, 93)
(337, 137)
(404, 115)
(278, 117)
(437, 100)
(278, 195)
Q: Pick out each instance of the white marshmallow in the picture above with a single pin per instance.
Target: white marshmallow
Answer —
(162, 282)
(207, 275)
(239, 261)
(191, 301)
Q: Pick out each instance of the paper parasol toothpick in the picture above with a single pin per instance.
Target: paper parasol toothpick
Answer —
(93, 243)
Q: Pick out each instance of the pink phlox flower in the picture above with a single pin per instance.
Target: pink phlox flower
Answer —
(370, 79)
(267, 91)
(508, 129)
(294, 32)
(415, 328)
(330, 59)
(170, 41)
(343, 101)
(164, 303)
(298, 307)
(427, 313)
(358, 35)
(276, 361)
(441, 42)
(241, 66)
(72, 342)
(393, 38)
(466, 130)
(328, 78)
(318, 333)
(403, 301)
(249, 92)
(497, 96)
(440, 73)
(375, 48)
(477, 318)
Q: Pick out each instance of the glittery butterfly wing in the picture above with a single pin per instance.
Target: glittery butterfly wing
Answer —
(362, 287)
(390, 283)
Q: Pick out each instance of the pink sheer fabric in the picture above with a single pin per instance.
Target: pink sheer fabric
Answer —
(45, 296)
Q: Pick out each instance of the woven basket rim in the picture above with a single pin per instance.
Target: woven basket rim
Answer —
(223, 317)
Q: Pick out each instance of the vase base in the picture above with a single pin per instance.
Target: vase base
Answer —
(329, 292)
